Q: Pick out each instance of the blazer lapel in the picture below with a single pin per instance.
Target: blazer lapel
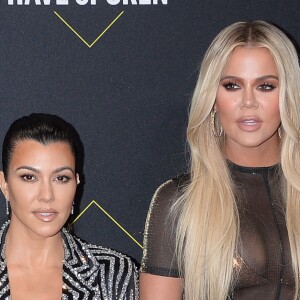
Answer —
(80, 270)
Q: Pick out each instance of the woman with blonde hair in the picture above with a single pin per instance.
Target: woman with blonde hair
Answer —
(231, 229)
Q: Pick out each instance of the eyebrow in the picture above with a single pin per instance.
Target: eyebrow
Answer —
(257, 79)
(36, 170)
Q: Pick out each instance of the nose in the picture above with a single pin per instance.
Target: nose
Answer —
(46, 191)
(249, 99)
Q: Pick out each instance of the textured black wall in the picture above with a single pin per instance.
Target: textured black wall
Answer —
(127, 93)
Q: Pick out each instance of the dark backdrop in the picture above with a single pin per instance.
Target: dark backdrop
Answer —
(127, 95)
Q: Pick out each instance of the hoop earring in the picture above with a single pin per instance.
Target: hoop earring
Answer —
(213, 125)
(279, 130)
(7, 207)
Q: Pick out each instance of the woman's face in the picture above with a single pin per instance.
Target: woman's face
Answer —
(40, 187)
(247, 103)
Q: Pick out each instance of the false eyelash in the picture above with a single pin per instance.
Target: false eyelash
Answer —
(269, 86)
(227, 84)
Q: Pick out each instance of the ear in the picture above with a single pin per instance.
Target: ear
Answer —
(3, 186)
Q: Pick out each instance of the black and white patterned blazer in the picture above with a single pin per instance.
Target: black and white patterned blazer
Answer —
(89, 272)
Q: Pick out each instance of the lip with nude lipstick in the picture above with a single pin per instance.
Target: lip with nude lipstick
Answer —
(45, 215)
(250, 123)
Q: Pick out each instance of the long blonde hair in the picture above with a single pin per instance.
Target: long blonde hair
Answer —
(208, 227)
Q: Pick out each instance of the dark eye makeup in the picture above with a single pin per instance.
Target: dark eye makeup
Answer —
(31, 178)
(233, 86)
(27, 177)
(267, 87)
(63, 178)
(230, 85)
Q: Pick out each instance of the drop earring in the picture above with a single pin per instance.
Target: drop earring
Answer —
(72, 209)
(7, 207)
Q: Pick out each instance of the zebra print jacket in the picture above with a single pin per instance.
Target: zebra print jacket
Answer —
(89, 272)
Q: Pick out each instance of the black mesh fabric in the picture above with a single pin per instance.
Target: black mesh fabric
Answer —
(262, 266)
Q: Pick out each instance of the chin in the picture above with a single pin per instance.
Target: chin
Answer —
(48, 229)
(251, 142)
(48, 234)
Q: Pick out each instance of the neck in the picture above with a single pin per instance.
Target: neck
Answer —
(26, 250)
(261, 156)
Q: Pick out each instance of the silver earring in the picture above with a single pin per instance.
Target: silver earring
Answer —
(7, 207)
(213, 124)
(72, 209)
(77, 180)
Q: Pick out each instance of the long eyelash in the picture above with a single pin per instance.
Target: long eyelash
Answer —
(230, 86)
(228, 83)
(269, 85)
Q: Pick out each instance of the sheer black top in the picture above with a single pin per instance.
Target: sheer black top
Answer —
(263, 260)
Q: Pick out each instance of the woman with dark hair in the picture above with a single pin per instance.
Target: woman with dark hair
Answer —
(39, 259)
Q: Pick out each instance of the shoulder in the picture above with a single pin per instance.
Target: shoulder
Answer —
(160, 209)
(173, 186)
(99, 253)
(170, 190)
(115, 270)
(178, 182)
(119, 261)
(160, 229)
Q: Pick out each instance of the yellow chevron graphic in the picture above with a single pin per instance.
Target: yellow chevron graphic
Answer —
(80, 37)
(108, 215)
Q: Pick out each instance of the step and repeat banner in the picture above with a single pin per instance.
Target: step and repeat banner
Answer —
(122, 72)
